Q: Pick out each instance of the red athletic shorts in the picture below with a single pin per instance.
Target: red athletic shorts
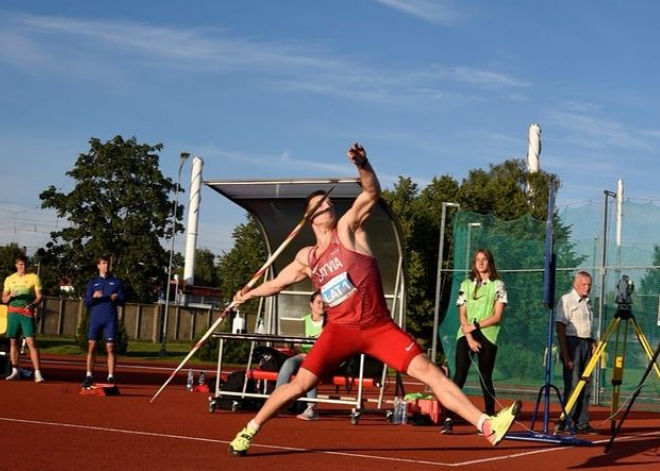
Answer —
(385, 342)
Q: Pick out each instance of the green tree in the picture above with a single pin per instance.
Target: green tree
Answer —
(120, 207)
(237, 266)
(8, 254)
(426, 237)
(206, 273)
(502, 191)
(417, 229)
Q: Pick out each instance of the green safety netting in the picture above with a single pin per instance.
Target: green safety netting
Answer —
(580, 243)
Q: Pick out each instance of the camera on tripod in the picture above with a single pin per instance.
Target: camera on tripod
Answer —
(624, 291)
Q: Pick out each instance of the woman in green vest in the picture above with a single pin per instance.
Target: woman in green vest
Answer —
(481, 302)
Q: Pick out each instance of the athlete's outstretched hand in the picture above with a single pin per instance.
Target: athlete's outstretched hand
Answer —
(357, 155)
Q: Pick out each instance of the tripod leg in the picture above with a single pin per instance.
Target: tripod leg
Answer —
(577, 389)
(652, 364)
(617, 373)
(645, 345)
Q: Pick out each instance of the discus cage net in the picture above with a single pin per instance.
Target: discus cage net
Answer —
(586, 237)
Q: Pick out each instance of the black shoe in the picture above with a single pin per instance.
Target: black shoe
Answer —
(111, 380)
(587, 430)
(87, 382)
(447, 427)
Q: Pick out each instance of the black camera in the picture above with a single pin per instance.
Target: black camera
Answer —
(624, 291)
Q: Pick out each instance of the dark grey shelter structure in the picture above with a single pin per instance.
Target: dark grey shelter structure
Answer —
(277, 206)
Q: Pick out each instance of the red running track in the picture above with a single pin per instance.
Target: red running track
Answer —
(52, 427)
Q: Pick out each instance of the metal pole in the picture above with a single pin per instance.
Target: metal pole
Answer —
(601, 293)
(438, 282)
(595, 251)
(163, 337)
(467, 246)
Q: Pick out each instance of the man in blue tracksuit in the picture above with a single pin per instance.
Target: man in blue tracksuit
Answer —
(104, 293)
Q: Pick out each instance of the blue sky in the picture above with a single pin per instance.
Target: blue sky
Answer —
(262, 88)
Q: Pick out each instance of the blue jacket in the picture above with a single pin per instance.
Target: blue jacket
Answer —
(109, 285)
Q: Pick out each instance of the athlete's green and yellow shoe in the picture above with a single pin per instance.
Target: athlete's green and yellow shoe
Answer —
(497, 426)
(240, 445)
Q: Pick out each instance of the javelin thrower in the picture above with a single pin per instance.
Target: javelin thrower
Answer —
(342, 266)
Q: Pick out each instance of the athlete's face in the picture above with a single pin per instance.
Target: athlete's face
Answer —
(325, 210)
(21, 267)
(103, 267)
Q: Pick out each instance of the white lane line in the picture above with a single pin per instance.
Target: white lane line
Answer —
(306, 450)
(210, 440)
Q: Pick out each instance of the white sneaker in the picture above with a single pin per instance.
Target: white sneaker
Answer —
(309, 414)
(14, 376)
(38, 377)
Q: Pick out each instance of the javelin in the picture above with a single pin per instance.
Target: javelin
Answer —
(250, 284)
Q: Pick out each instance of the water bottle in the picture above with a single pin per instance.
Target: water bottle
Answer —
(190, 380)
(404, 411)
(260, 328)
(238, 324)
(396, 416)
(202, 378)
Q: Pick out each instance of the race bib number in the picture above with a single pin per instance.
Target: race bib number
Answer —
(337, 290)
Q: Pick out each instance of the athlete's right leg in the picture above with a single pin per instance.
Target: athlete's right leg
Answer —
(336, 344)
(279, 398)
(13, 359)
(14, 330)
(91, 355)
(90, 361)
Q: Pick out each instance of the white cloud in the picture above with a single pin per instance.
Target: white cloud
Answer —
(654, 134)
(486, 78)
(80, 47)
(433, 11)
(590, 131)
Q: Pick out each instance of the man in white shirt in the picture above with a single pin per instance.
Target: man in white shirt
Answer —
(574, 323)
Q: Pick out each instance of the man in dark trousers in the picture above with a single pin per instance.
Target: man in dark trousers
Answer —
(575, 333)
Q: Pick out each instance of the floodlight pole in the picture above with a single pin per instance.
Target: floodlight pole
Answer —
(163, 337)
(438, 283)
